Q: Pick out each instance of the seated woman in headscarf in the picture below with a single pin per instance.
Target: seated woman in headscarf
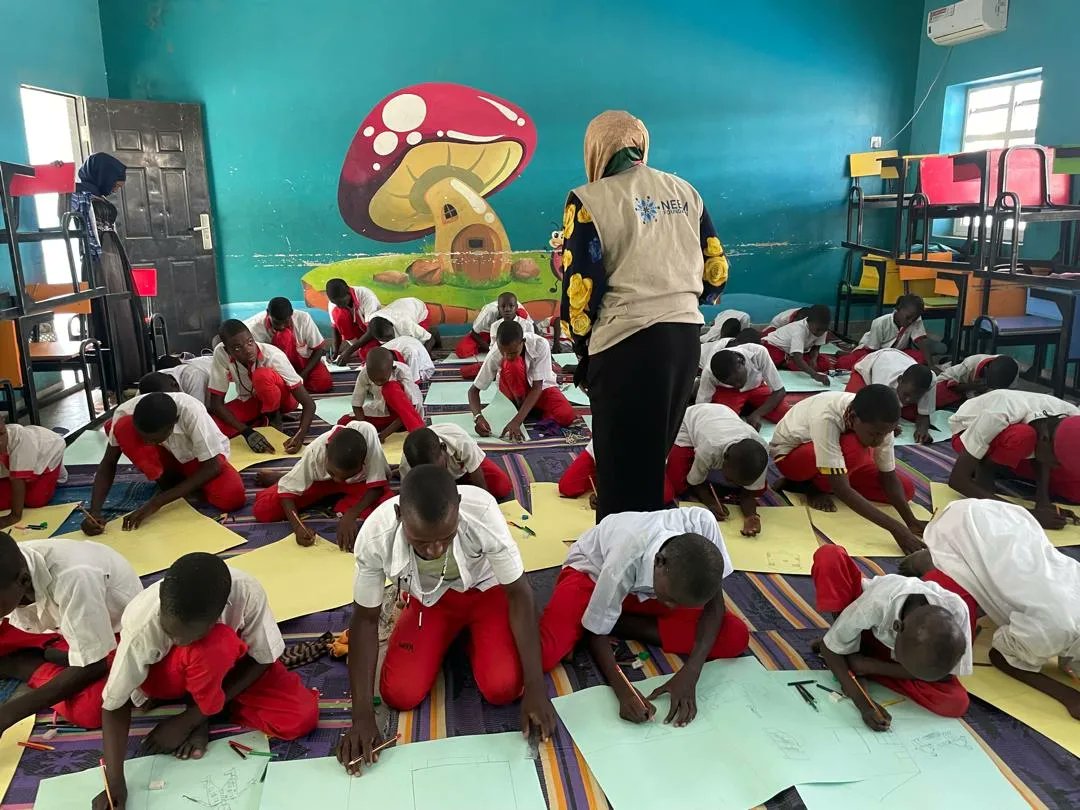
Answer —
(100, 176)
(639, 254)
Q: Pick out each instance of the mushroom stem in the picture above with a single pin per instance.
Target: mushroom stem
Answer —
(469, 237)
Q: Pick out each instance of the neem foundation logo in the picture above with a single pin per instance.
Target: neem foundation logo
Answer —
(650, 210)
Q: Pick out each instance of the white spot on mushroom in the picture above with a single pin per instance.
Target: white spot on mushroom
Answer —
(465, 136)
(521, 122)
(369, 131)
(405, 112)
(498, 105)
(385, 143)
(376, 166)
(440, 133)
(475, 201)
(413, 138)
(489, 217)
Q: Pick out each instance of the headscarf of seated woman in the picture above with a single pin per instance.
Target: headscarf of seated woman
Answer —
(614, 141)
(100, 174)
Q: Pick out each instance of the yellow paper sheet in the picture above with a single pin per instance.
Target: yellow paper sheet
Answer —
(943, 495)
(559, 517)
(393, 447)
(54, 516)
(171, 532)
(300, 581)
(1030, 706)
(786, 544)
(545, 550)
(11, 752)
(858, 535)
(241, 456)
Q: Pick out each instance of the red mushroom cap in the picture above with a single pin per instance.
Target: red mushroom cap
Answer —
(420, 135)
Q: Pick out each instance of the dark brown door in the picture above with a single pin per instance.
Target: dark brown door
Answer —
(164, 208)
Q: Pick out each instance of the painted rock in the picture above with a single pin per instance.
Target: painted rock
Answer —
(393, 277)
(426, 271)
(524, 269)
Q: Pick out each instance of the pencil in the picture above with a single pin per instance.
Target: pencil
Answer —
(637, 694)
(91, 518)
(237, 751)
(713, 491)
(863, 692)
(105, 776)
(593, 485)
(36, 746)
(377, 748)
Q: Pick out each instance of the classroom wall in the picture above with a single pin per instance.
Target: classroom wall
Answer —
(757, 104)
(53, 44)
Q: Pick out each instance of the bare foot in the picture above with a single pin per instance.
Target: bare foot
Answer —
(821, 500)
(195, 745)
(265, 478)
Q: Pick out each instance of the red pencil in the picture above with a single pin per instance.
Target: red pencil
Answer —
(37, 746)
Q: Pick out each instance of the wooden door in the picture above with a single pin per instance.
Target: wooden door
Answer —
(164, 208)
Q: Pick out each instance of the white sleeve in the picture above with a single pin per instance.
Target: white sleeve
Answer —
(605, 605)
(376, 468)
(415, 330)
(498, 546)
(845, 636)
(928, 402)
(361, 389)
(1029, 643)
(705, 524)
(885, 455)
(706, 388)
(799, 338)
(85, 623)
(309, 333)
(299, 478)
(369, 302)
(916, 330)
(769, 375)
(128, 672)
(484, 319)
(206, 438)
(260, 631)
(705, 460)
(280, 363)
(369, 579)
(873, 339)
(541, 367)
(488, 370)
(220, 373)
(471, 455)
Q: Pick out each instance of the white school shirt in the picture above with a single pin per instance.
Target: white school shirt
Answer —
(32, 450)
(885, 334)
(194, 437)
(783, 318)
(368, 395)
(795, 338)
(718, 323)
(463, 454)
(80, 591)
(964, 371)
(618, 553)
(760, 369)
(710, 430)
(416, 356)
(369, 304)
(820, 419)
(1000, 554)
(144, 643)
(709, 349)
(306, 334)
(981, 419)
(311, 467)
(526, 324)
(878, 609)
(488, 319)
(537, 364)
(886, 366)
(485, 553)
(405, 314)
(193, 376)
(225, 370)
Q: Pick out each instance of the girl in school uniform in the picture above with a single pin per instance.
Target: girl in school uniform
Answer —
(726, 324)
(295, 333)
(787, 316)
(267, 387)
(347, 461)
(1036, 436)
(386, 395)
(31, 466)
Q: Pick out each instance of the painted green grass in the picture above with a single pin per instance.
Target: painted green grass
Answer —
(456, 290)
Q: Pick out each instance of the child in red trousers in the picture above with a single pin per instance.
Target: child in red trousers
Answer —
(975, 375)
(31, 465)
(386, 395)
(504, 308)
(350, 309)
(745, 379)
(451, 447)
(797, 345)
(295, 333)
(900, 329)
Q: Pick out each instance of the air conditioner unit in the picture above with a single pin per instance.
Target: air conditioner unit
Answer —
(967, 20)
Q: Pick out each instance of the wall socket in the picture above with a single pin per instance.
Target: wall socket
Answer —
(875, 141)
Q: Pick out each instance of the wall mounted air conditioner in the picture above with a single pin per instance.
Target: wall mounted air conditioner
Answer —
(967, 20)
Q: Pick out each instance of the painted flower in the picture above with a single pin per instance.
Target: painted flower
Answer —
(716, 270)
(713, 247)
(564, 328)
(580, 323)
(567, 259)
(579, 292)
(584, 216)
(568, 221)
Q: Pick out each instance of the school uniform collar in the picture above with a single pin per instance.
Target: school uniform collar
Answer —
(403, 558)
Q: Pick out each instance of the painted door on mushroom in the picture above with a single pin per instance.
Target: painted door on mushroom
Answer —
(425, 162)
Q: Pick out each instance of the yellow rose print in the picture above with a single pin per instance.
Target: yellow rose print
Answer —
(564, 328)
(584, 216)
(716, 270)
(580, 323)
(579, 292)
(713, 247)
(567, 260)
(568, 221)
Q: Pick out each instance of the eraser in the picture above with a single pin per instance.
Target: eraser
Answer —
(638, 663)
(48, 735)
(157, 784)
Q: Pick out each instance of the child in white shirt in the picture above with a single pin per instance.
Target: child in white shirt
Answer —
(504, 308)
(386, 395)
(901, 329)
(31, 466)
(727, 323)
(745, 379)
(797, 345)
(350, 309)
(912, 382)
(295, 333)
(975, 375)
(451, 447)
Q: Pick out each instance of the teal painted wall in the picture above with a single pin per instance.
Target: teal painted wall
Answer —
(53, 44)
(757, 104)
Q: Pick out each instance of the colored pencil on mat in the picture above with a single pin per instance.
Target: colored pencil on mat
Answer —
(36, 746)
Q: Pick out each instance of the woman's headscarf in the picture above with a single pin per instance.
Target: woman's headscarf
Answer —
(100, 173)
(614, 140)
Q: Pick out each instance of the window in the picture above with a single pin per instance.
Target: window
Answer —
(998, 115)
(449, 213)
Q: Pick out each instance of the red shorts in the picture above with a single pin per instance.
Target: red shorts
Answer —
(801, 465)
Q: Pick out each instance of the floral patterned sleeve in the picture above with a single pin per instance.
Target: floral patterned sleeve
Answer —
(715, 274)
(584, 279)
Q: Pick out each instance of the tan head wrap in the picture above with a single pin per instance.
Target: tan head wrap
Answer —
(608, 133)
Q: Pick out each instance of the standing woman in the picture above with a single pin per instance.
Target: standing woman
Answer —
(640, 253)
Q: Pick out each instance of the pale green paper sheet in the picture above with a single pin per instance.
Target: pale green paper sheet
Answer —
(574, 394)
(456, 393)
(334, 368)
(482, 772)
(829, 348)
(498, 413)
(565, 359)
(89, 448)
(939, 421)
(221, 780)
(330, 409)
(796, 382)
(454, 360)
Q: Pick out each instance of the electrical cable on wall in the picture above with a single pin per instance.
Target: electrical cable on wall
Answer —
(929, 90)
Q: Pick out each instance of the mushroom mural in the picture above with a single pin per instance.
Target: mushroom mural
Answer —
(424, 160)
